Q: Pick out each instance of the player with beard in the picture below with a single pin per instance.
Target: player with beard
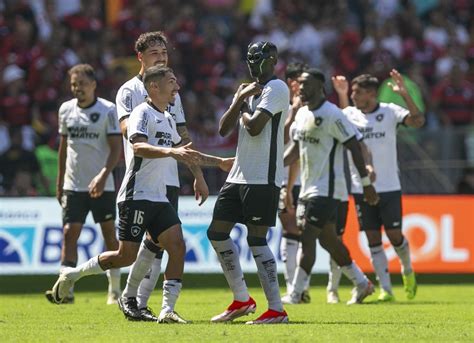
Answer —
(321, 132)
(90, 133)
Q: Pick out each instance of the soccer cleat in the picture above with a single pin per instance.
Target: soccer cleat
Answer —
(332, 297)
(385, 296)
(305, 297)
(129, 308)
(67, 300)
(235, 310)
(361, 292)
(291, 299)
(409, 283)
(270, 317)
(62, 286)
(171, 317)
(112, 297)
(147, 315)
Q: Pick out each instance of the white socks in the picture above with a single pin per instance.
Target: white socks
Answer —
(138, 271)
(229, 259)
(171, 289)
(380, 263)
(299, 282)
(267, 273)
(113, 275)
(403, 252)
(147, 285)
(289, 250)
(90, 267)
(334, 276)
(353, 273)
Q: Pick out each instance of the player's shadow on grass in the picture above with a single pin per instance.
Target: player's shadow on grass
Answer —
(409, 303)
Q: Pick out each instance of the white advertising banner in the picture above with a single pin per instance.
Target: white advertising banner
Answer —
(31, 235)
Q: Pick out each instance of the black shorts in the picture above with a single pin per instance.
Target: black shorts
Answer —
(76, 206)
(316, 211)
(253, 204)
(341, 217)
(172, 193)
(388, 212)
(138, 216)
(281, 203)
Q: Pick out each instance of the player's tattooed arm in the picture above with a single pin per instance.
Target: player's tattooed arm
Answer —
(415, 118)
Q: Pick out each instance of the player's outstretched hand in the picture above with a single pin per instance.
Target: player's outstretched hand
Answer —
(370, 195)
(398, 85)
(186, 154)
(340, 84)
(227, 163)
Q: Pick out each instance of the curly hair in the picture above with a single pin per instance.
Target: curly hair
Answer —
(148, 39)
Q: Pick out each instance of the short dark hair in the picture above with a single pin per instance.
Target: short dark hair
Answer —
(147, 39)
(366, 81)
(155, 73)
(316, 73)
(85, 69)
(294, 69)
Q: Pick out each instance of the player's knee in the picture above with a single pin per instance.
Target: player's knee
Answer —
(256, 241)
(217, 236)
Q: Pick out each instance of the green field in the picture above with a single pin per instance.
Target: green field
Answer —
(440, 312)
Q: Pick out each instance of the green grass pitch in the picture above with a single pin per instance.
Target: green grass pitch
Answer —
(440, 312)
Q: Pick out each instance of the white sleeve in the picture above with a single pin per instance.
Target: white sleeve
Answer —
(124, 102)
(340, 127)
(113, 127)
(178, 111)
(62, 114)
(275, 98)
(348, 114)
(137, 123)
(399, 112)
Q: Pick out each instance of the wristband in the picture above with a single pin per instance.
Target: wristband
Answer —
(365, 181)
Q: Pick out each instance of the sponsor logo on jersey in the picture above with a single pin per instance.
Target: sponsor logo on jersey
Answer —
(164, 139)
(305, 137)
(143, 123)
(342, 127)
(368, 132)
(81, 132)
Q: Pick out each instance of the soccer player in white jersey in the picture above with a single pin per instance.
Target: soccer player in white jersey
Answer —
(151, 49)
(290, 241)
(142, 201)
(251, 192)
(321, 132)
(378, 122)
(89, 149)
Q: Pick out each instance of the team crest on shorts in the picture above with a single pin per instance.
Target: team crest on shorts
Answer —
(94, 116)
(135, 231)
(379, 117)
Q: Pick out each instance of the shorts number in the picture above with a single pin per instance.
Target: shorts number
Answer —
(138, 217)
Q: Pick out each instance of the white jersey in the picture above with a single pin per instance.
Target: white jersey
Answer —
(259, 159)
(287, 169)
(144, 176)
(320, 134)
(379, 129)
(133, 93)
(87, 145)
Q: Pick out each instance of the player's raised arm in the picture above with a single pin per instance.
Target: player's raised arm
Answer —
(341, 86)
(415, 118)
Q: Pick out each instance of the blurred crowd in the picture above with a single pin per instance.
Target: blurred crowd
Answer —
(430, 41)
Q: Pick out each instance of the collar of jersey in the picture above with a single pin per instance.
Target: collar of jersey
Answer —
(140, 77)
(92, 104)
(375, 109)
(152, 105)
